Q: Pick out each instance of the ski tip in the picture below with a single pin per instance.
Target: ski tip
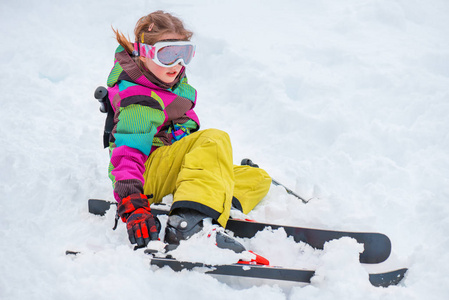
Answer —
(377, 248)
(388, 279)
(99, 207)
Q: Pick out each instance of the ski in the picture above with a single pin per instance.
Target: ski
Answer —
(377, 246)
(262, 272)
(268, 272)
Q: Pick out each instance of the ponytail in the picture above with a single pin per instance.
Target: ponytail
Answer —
(123, 41)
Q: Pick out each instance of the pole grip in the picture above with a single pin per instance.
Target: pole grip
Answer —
(101, 94)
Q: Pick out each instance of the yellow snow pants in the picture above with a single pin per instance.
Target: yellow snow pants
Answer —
(198, 170)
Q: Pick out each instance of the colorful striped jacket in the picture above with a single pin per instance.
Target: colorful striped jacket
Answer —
(146, 117)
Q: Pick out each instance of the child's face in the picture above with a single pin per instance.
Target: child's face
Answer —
(166, 75)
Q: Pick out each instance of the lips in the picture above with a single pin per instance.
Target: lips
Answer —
(171, 74)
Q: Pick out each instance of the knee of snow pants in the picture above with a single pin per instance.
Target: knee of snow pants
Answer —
(251, 185)
(198, 170)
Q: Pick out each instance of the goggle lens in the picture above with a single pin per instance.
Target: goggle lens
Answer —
(168, 55)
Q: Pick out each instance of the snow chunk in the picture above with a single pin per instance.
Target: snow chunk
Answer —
(340, 266)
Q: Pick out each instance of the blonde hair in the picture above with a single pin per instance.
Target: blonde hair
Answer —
(150, 28)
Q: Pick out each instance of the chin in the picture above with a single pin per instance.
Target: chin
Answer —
(169, 80)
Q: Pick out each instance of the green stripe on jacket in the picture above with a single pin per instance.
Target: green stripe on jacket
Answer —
(137, 126)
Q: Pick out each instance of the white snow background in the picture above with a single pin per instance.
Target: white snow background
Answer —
(344, 101)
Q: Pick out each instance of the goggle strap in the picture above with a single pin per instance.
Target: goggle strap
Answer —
(142, 50)
(136, 51)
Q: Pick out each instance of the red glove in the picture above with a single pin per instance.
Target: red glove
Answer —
(142, 226)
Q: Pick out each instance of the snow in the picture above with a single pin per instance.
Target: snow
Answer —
(345, 102)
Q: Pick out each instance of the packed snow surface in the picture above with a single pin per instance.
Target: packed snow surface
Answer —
(345, 102)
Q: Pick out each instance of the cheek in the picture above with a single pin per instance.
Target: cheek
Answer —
(152, 66)
(178, 68)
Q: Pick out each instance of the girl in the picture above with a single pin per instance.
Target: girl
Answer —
(156, 148)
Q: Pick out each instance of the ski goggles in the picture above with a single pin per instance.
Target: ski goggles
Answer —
(169, 53)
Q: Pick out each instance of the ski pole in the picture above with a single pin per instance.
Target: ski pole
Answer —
(249, 162)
